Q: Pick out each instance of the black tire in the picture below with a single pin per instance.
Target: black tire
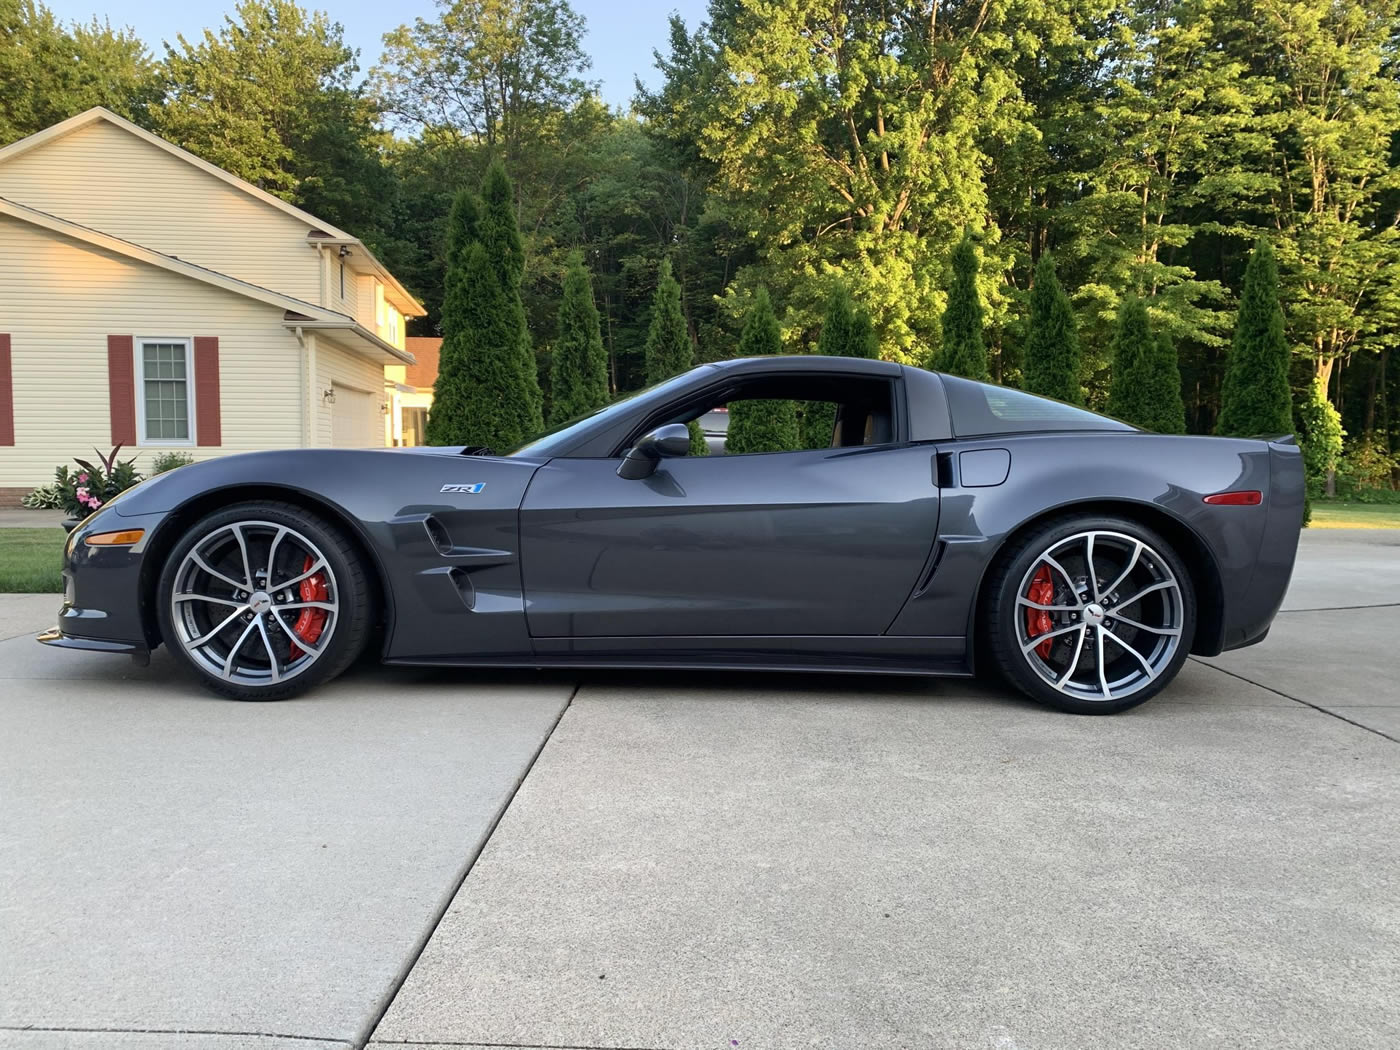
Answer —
(1147, 673)
(287, 530)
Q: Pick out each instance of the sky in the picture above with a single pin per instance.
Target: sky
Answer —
(621, 33)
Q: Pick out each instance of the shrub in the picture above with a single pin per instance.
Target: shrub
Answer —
(84, 490)
(1320, 434)
(45, 497)
(169, 461)
(1366, 472)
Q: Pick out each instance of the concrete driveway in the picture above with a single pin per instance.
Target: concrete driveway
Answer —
(716, 861)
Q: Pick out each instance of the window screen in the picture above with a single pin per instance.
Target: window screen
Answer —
(165, 391)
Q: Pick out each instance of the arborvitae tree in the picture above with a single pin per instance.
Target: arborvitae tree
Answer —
(579, 369)
(847, 331)
(762, 426)
(1159, 377)
(450, 421)
(485, 394)
(1052, 346)
(499, 232)
(668, 350)
(1254, 398)
(963, 353)
(1131, 346)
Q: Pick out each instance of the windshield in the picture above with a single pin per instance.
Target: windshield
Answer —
(563, 434)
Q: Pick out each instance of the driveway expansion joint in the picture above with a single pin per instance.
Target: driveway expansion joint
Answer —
(1340, 608)
(84, 1030)
(511, 1046)
(1296, 700)
(367, 1034)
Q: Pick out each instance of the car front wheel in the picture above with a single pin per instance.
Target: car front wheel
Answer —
(1090, 614)
(262, 601)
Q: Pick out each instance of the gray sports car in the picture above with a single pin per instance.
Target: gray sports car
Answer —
(947, 525)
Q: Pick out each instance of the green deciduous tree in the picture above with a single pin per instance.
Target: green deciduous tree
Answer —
(50, 71)
(271, 97)
(963, 353)
(846, 332)
(762, 425)
(1255, 398)
(1052, 358)
(579, 366)
(850, 140)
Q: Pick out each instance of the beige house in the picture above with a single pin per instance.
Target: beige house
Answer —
(152, 300)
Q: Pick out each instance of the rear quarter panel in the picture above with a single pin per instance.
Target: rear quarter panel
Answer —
(1097, 472)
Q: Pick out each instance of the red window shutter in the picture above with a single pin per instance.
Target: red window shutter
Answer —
(121, 389)
(206, 391)
(7, 394)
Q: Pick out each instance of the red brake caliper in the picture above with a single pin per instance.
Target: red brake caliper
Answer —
(311, 622)
(1042, 592)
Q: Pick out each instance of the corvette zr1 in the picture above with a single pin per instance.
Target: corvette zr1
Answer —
(946, 526)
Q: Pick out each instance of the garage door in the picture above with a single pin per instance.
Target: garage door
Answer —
(354, 423)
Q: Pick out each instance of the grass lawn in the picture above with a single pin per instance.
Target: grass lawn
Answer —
(31, 560)
(1339, 515)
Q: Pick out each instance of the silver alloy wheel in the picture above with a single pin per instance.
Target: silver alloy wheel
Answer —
(1114, 623)
(239, 622)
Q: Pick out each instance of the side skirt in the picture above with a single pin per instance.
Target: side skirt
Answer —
(883, 654)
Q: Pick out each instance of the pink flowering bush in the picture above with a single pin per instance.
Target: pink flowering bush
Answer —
(84, 490)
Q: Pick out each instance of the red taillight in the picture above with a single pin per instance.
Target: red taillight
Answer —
(1243, 498)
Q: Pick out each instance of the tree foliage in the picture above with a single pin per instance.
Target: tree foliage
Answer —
(963, 353)
(50, 71)
(846, 332)
(271, 97)
(1255, 398)
(668, 351)
(757, 425)
(1052, 358)
(579, 364)
(487, 391)
(1131, 348)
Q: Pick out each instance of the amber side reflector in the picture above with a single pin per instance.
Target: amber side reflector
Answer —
(115, 539)
(1243, 498)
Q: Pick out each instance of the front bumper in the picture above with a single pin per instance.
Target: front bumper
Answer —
(102, 591)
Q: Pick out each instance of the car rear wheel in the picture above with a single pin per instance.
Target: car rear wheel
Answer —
(1090, 614)
(262, 601)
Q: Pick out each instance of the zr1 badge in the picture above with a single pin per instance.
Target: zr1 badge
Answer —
(474, 487)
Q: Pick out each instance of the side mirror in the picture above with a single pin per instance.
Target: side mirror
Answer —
(640, 462)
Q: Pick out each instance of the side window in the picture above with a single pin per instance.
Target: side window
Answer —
(818, 412)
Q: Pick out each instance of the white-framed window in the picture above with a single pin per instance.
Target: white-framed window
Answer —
(164, 391)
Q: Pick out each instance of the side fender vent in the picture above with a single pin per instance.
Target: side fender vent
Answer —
(462, 580)
(437, 532)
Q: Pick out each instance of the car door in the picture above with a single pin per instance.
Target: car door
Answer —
(823, 542)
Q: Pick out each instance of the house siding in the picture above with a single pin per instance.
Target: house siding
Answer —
(336, 366)
(144, 194)
(61, 300)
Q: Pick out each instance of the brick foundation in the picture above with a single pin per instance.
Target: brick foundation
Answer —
(11, 497)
